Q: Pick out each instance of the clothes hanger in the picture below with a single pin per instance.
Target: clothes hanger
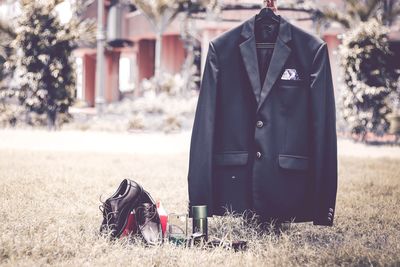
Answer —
(267, 17)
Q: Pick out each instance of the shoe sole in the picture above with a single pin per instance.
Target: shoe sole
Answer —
(129, 210)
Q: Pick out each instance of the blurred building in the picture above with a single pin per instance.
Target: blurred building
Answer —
(130, 55)
(130, 51)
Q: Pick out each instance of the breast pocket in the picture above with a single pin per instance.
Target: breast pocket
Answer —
(290, 92)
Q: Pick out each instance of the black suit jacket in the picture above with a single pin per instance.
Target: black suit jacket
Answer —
(275, 154)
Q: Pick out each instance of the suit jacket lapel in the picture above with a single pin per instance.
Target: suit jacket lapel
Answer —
(279, 56)
(249, 55)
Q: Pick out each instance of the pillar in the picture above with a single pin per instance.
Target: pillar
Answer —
(112, 93)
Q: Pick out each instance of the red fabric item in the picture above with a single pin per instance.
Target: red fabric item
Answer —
(163, 217)
(130, 227)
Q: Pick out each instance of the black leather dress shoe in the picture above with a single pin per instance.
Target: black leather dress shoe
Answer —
(148, 220)
(116, 209)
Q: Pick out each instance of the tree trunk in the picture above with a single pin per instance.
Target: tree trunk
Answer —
(157, 63)
(51, 120)
(364, 137)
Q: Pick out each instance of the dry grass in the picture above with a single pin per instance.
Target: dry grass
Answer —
(49, 211)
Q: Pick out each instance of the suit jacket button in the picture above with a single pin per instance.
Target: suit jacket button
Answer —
(260, 124)
(258, 154)
(330, 209)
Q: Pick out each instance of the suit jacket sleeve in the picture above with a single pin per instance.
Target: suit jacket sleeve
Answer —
(325, 143)
(201, 147)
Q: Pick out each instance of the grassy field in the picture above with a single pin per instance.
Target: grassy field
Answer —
(49, 211)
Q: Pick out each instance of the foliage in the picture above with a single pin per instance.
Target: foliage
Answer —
(369, 82)
(169, 84)
(9, 112)
(359, 11)
(7, 34)
(162, 106)
(147, 113)
(42, 61)
(162, 12)
(156, 10)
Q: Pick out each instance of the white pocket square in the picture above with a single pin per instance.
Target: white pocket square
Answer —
(290, 74)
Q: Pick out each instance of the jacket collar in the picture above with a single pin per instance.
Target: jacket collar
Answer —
(279, 56)
(285, 31)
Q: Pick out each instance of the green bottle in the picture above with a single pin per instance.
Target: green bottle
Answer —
(200, 220)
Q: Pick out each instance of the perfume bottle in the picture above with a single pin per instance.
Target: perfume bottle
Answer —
(177, 228)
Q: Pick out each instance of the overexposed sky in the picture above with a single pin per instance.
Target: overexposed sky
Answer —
(64, 11)
(11, 9)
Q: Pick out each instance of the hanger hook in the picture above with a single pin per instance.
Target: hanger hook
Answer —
(270, 4)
